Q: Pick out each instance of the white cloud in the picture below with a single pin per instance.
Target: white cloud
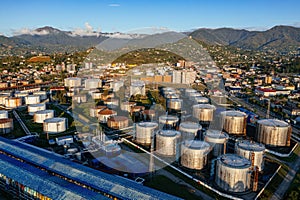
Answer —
(87, 31)
(27, 31)
(114, 5)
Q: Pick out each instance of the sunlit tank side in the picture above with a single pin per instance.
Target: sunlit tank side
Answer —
(273, 132)
(204, 112)
(194, 154)
(167, 142)
(233, 173)
(189, 129)
(174, 104)
(145, 132)
(92, 83)
(168, 120)
(42, 94)
(117, 122)
(218, 140)
(40, 116)
(13, 102)
(3, 114)
(55, 125)
(32, 99)
(234, 122)
(32, 108)
(6, 125)
(72, 82)
(252, 151)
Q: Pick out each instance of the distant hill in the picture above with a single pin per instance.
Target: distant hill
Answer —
(278, 38)
(49, 40)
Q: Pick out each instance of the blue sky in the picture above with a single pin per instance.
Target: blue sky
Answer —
(125, 15)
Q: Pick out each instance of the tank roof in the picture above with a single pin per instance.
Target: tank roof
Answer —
(107, 111)
(212, 133)
(196, 144)
(176, 100)
(204, 106)
(273, 122)
(55, 120)
(148, 124)
(44, 111)
(233, 113)
(118, 118)
(37, 105)
(190, 125)
(169, 133)
(73, 78)
(168, 117)
(234, 161)
(137, 83)
(250, 145)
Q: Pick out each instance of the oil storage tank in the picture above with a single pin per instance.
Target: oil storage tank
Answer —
(194, 154)
(145, 132)
(233, 173)
(167, 142)
(168, 121)
(32, 108)
(252, 151)
(234, 122)
(218, 141)
(55, 125)
(72, 82)
(117, 122)
(204, 112)
(6, 125)
(201, 100)
(13, 102)
(92, 83)
(3, 114)
(40, 116)
(174, 104)
(32, 99)
(273, 132)
(189, 129)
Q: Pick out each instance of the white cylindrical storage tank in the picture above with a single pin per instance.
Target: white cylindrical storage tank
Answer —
(126, 106)
(32, 108)
(233, 173)
(42, 94)
(167, 142)
(194, 154)
(41, 115)
(105, 114)
(145, 132)
(201, 100)
(234, 122)
(32, 99)
(189, 130)
(6, 125)
(92, 83)
(117, 122)
(204, 112)
(218, 141)
(137, 87)
(3, 114)
(252, 151)
(168, 120)
(111, 103)
(55, 125)
(72, 82)
(13, 102)
(3, 97)
(96, 95)
(174, 104)
(273, 132)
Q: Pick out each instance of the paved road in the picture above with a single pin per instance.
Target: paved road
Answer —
(283, 187)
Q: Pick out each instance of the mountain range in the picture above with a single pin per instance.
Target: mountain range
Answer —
(48, 39)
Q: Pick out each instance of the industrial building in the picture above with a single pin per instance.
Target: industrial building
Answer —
(51, 176)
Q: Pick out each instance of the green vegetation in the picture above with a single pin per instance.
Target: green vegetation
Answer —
(166, 185)
(294, 190)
